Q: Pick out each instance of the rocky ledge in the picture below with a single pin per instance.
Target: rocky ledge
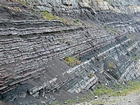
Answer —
(43, 61)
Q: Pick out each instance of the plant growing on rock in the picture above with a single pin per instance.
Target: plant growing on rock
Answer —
(111, 65)
(111, 29)
(109, 1)
(54, 103)
(91, 75)
(102, 89)
(77, 21)
(136, 58)
(48, 16)
(72, 61)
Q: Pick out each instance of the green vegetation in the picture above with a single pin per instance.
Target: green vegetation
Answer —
(70, 102)
(109, 1)
(114, 30)
(48, 16)
(131, 86)
(116, 85)
(101, 90)
(77, 21)
(72, 61)
(111, 29)
(124, 90)
(111, 65)
(91, 75)
(136, 58)
(54, 103)
(23, 2)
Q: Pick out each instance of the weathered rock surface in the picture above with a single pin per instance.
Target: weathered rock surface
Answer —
(73, 7)
(32, 52)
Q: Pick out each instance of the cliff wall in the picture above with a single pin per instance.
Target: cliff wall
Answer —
(46, 61)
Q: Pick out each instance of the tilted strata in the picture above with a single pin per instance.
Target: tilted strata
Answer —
(32, 52)
(33, 57)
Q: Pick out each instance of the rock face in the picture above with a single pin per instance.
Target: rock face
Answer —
(77, 6)
(85, 9)
(33, 69)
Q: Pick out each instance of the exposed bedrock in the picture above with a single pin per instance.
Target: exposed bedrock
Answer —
(33, 69)
(84, 8)
(33, 57)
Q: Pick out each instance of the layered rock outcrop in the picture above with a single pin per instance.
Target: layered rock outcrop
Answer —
(33, 69)
(68, 6)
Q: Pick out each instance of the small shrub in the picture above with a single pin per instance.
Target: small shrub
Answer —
(111, 65)
(91, 75)
(77, 20)
(116, 85)
(54, 103)
(48, 16)
(101, 90)
(136, 58)
(109, 2)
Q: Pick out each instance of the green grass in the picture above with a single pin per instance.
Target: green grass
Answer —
(72, 61)
(48, 16)
(124, 90)
(101, 90)
(136, 58)
(54, 103)
(77, 21)
(109, 2)
(111, 29)
(132, 86)
(111, 65)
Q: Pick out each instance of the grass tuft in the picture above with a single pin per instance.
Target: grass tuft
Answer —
(48, 16)
(72, 61)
